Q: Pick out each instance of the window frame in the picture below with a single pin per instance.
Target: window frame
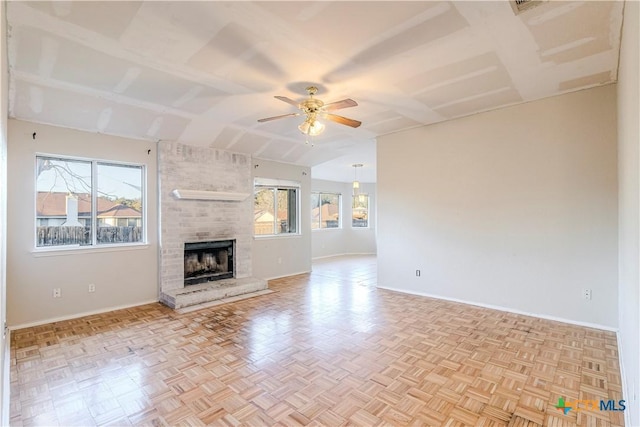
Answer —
(340, 222)
(95, 246)
(353, 201)
(275, 185)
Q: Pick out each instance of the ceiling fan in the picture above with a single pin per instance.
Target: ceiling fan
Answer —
(314, 109)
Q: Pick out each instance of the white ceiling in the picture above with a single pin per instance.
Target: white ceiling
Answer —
(204, 72)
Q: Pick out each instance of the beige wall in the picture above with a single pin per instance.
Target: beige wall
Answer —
(122, 277)
(514, 208)
(347, 240)
(284, 255)
(629, 205)
(4, 340)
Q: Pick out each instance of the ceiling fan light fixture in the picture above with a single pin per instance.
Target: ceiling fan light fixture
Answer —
(316, 128)
(312, 108)
(304, 127)
(311, 127)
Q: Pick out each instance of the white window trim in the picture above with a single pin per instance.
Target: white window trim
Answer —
(45, 251)
(340, 208)
(269, 182)
(278, 184)
(94, 247)
(368, 210)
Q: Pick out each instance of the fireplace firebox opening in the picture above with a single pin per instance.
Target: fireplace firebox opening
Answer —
(208, 261)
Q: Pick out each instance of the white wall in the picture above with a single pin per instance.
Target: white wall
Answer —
(284, 255)
(122, 277)
(346, 240)
(4, 340)
(629, 205)
(515, 208)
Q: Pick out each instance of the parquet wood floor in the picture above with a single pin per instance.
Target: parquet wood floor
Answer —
(326, 349)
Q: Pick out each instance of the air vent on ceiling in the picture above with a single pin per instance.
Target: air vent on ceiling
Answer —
(520, 6)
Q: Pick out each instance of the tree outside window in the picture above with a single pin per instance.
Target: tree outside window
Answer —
(275, 210)
(88, 202)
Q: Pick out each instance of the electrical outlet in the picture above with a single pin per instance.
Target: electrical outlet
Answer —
(57, 293)
(417, 273)
(586, 294)
(92, 287)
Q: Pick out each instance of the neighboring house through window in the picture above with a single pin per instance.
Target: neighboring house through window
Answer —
(325, 210)
(360, 211)
(74, 194)
(276, 207)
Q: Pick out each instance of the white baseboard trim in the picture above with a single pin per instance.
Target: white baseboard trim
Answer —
(78, 315)
(623, 377)
(287, 275)
(345, 254)
(506, 309)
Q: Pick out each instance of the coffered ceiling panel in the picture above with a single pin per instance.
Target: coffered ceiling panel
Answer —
(296, 152)
(277, 150)
(248, 141)
(203, 73)
(389, 125)
(173, 30)
(110, 19)
(226, 137)
(332, 22)
(590, 80)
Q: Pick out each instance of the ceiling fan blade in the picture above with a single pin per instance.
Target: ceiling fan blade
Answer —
(288, 101)
(268, 119)
(343, 120)
(345, 103)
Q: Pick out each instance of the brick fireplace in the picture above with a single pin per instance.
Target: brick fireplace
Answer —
(212, 204)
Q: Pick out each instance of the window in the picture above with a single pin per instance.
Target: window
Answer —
(360, 211)
(325, 210)
(88, 202)
(275, 208)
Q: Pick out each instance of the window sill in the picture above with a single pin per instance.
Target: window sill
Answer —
(62, 250)
(328, 229)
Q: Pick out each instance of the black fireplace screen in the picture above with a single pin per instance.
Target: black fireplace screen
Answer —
(208, 261)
